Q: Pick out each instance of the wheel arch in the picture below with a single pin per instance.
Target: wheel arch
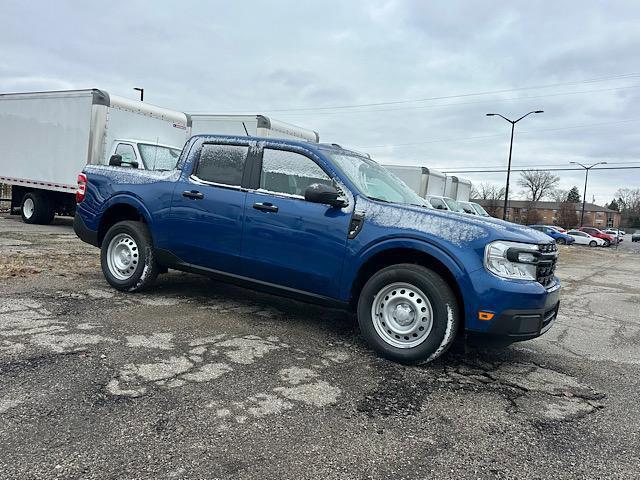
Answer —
(397, 254)
(120, 209)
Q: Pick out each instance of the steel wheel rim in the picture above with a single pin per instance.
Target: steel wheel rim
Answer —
(122, 256)
(28, 208)
(402, 315)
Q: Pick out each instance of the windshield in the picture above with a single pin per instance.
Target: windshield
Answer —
(157, 157)
(375, 181)
(453, 205)
(479, 209)
(468, 208)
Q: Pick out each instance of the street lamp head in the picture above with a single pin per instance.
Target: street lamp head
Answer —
(491, 114)
(603, 163)
(539, 111)
(575, 163)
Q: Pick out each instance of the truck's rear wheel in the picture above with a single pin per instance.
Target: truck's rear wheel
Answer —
(127, 257)
(408, 313)
(36, 208)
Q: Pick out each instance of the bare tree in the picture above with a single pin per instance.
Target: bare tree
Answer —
(537, 183)
(629, 203)
(492, 194)
(558, 195)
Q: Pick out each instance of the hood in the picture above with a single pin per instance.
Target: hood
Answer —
(456, 228)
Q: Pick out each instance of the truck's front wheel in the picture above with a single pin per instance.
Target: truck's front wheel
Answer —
(127, 257)
(408, 313)
(36, 208)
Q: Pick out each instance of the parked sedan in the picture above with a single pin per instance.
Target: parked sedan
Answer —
(559, 237)
(596, 232)
(635, 237)
(583, 238)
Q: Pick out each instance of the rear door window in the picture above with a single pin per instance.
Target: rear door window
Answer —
(222, 164)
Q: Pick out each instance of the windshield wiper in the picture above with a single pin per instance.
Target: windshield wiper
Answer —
(380, 200)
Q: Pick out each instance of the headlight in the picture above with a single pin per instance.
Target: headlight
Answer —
(512, 260)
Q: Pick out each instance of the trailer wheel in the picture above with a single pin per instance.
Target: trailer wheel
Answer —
(36, 208)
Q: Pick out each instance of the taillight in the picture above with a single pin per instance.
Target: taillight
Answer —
(82, 188)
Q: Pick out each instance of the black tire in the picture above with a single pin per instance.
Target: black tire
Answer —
(561, 241)
(144, 268)
(443, 302)
(36, 208)
(593, 243)
(606, 243)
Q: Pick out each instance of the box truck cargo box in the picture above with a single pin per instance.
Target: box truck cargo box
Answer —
(46, 139)
(422, 180)
(249, 125)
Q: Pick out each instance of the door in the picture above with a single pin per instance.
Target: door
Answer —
(207, 209)
(287, 240)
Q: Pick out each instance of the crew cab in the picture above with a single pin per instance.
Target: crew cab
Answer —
(321, 223)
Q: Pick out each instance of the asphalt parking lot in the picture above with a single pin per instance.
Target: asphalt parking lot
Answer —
(197, 379)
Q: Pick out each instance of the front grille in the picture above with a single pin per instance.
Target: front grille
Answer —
(547, 264)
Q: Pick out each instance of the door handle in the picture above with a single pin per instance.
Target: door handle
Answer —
(193, 194)
(265, 207)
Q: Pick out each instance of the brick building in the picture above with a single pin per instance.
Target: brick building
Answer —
(594, 215)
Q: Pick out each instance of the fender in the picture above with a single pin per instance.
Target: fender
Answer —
(361, 257)
(128, 199)
(458, 271)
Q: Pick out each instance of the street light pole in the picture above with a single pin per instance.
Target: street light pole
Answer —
(141, 90)
(586, 177)
(513, 126)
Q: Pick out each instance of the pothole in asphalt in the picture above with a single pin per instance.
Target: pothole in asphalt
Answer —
(539, 393)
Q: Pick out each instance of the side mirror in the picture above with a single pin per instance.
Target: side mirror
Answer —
(321, 193)
(116, 161)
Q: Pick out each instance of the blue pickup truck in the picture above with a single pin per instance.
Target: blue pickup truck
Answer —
(324, 224)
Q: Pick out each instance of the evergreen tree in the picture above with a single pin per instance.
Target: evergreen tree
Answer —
(574, 195)
(614, 205)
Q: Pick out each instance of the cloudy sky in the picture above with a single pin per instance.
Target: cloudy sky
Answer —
(407, 81)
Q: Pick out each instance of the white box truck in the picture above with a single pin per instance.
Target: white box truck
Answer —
(46, 139)
(249, 125)
(422, 180)
(458, 188)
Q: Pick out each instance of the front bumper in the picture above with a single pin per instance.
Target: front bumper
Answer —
(524, 324)
(522, 310)
(83, 232)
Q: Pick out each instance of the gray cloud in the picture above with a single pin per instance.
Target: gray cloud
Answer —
(230, 56)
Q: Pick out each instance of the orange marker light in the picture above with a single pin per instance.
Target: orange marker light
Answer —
(485, 315)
